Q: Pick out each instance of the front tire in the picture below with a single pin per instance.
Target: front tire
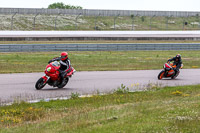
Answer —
(40, 84)
(161, 75)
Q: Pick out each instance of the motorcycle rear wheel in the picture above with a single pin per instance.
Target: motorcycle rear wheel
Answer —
(173, 77)
(63, 85)
(40, 84)
(161, 75)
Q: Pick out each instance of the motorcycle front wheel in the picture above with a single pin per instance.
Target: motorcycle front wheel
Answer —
(161, 75)
(40, 84)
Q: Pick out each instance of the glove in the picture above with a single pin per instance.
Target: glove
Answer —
(50, 61)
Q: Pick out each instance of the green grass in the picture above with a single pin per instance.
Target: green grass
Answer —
(96, 60)
(169, 109)
(68, 22)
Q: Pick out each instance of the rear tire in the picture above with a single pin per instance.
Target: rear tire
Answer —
(161, 75)
(173, 77)
(40, 84)
(63, 85)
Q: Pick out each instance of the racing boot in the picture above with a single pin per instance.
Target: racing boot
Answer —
(74, 71)
(166, 72)
(62, 75)
(176, 71)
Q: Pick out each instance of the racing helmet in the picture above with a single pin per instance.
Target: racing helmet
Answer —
(64, 56)
(178, 56)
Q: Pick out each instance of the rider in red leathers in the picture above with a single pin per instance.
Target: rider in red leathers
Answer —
(64, 65)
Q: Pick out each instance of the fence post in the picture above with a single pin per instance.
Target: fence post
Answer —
(132, 21)
(96, 21)
(199, 21)
(76, 20)
(12, 20)
(183, 28)
(56, 19)
(183, 22)
(34, 21)
(115, 20)
(167, 21)
(151, 20)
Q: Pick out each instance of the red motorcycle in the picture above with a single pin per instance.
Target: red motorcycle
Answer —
(52, 77)
(168, 71)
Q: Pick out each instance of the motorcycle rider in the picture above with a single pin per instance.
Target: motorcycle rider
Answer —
(176, 61)
(64, 65)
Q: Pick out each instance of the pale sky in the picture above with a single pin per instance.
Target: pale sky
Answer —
(158, 5)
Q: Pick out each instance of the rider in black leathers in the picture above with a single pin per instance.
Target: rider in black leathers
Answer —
(177, 61)
(64, 64)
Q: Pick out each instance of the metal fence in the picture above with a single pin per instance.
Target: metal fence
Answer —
(96, 47)
(91, 12)
(84, 19)
(66, 22)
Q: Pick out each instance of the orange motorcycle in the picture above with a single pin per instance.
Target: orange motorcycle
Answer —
(168, 71)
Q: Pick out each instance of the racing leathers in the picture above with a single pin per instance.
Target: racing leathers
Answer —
(177, 62)
(64, 65)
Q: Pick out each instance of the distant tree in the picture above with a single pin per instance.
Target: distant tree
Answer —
(142, 18)
(132, 16)
(61, 5)
(58, 5)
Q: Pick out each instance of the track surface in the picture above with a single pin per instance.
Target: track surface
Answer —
(22, 86)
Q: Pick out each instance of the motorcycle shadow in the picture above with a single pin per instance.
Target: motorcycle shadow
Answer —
(57, 89)
(170, 79)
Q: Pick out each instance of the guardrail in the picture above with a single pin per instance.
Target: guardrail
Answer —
(96, 47)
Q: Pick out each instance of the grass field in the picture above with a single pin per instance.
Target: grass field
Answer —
(69, 22)
(169, 109)
(96, 60)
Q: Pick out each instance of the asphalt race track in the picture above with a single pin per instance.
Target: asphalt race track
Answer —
(22, 86)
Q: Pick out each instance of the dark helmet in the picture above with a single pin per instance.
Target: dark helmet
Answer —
(178, 56)
(64, 55)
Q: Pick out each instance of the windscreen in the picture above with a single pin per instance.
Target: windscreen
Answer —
(56, 63)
